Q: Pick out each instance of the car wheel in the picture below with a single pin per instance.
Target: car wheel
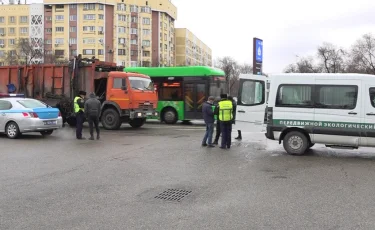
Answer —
(295, 143)
(170, 116)
(111, 119)
(12, 130)
(46, 132)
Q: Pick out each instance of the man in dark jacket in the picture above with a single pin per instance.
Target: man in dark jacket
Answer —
(208, 116)
(92, 112)
(218, 131)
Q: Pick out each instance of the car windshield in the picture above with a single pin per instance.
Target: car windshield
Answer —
(141, 83)
(32, 104)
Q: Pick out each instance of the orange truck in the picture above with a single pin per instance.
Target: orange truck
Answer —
(125, 97)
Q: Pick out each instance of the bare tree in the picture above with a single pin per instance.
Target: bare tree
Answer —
(228, 65)
(362, 55)
(332, 58)
(303, 65)
(26, 52)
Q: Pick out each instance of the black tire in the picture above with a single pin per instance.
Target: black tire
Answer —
(72, 121)
(170, 116)
(111, 119)
(12, 130)
(46, 132)
(137, 123)
(295, 143)
(311, 145)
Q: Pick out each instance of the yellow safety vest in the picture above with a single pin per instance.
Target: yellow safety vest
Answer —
(76, 106)
(225, 110)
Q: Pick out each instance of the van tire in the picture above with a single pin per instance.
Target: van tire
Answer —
(296, 143)
(111, 119)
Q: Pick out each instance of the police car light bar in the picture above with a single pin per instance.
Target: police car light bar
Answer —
(12, 95)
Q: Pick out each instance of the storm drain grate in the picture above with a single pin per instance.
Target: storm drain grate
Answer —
(173, 195)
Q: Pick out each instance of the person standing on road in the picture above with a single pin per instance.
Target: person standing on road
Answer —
(239, 137)
(225, 110)
(79, 105)
(208, 116)
(218, 131)
(92, 112)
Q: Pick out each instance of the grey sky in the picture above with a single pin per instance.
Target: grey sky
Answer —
(288, 28)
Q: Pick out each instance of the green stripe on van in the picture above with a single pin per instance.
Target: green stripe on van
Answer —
(325, 124)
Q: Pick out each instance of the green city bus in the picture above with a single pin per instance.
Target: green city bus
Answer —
(182, 90)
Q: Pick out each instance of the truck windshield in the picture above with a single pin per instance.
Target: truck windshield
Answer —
(141, 83)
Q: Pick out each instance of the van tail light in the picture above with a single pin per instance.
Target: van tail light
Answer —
(31, 114)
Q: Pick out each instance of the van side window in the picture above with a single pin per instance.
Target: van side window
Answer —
(252, 93)
(295, 96)
(336, 97)
(372, 96)
(117, 83)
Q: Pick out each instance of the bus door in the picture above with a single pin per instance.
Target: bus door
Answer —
(195, 94)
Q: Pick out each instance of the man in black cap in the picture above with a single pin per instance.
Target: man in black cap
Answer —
(79, 107)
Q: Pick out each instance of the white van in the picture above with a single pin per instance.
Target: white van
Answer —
(300, 110)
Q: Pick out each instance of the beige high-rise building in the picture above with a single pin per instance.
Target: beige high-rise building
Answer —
(129, 33)
(190, 50)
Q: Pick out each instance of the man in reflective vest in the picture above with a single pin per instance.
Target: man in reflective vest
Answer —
(225, 112)
(79, 105)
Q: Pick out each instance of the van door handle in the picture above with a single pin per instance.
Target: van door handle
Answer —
(241, 111)
(352, 113)
(370, 114)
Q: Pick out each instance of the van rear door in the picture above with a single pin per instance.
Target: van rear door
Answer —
(251, 103)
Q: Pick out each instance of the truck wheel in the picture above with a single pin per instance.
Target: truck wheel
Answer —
(111, 119)
(72, 121)
(295, 143)
(170, 116)
(138, 122)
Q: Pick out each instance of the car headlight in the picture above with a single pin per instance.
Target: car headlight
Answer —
(139, 114)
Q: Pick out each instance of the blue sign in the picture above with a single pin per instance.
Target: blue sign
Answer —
(259, 50)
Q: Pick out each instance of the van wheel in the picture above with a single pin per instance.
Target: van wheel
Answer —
(111, 119)
(170, 116)
(295, 143)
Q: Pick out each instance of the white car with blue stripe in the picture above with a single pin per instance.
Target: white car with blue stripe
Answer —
(24, 115)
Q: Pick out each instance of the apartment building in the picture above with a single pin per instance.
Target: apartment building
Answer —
(130, 33)
(190, 50)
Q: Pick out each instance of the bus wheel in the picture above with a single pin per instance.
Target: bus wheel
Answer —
(170, 116)
(111, 119)
(138, 122)
(295, 143)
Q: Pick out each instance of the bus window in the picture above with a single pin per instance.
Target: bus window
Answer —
(170, 91)
(217, 86)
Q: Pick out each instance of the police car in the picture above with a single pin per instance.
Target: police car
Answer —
(23, 115)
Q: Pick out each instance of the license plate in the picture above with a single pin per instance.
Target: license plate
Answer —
(49, 122)
(148, 114)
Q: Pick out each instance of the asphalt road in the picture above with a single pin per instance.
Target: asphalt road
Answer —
(115, 183)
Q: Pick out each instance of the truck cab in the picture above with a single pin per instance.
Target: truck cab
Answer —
(126, 97)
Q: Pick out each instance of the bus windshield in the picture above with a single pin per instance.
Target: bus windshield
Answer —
(141, 83)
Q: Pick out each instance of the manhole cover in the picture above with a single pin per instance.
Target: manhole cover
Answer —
(173, 195)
